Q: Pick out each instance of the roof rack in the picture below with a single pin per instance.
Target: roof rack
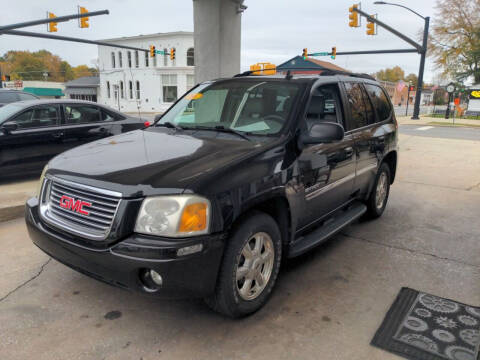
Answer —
(346, 73)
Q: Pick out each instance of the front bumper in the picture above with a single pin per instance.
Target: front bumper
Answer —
(122, 263)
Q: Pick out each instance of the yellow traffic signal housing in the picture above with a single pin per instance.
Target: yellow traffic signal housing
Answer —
(4, 78)
(371, 28)
(172, 53)
(84, 20)
(152, 50)
(52, 26)
(354, 18)
(305, 53)
(334, 52)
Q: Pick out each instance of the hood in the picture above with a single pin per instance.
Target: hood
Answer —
(149, 160)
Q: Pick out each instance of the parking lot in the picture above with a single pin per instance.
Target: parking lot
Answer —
(328, 303)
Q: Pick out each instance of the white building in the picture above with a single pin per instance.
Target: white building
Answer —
(132, 81)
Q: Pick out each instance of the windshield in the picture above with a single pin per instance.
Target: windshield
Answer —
(8, 110)
(252, 106)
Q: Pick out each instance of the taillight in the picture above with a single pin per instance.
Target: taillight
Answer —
(147, 123)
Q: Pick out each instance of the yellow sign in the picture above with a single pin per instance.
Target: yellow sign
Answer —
(475, 93)
(263, 69)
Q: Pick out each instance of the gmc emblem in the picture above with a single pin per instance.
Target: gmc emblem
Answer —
(69, 203)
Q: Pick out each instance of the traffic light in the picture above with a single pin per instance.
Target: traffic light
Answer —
(353, 16)
(411, 88)
(371, 30)
(152, 50)
(305, 53)
(52, 26)
(172, 53)
(84, 20)
(334, 52)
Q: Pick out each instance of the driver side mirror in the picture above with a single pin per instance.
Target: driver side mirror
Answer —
(323, 132)
(9, 126)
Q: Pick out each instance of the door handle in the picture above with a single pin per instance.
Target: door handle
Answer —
(349, 152)
(58, 135)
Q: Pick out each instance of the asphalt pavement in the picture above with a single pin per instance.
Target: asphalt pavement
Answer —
(444, 132)
(327, 304)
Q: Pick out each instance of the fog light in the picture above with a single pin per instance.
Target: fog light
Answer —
(156, 277)
(187, 250)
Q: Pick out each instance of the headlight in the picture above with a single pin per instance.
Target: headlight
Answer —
(174, 216)
(40, 182)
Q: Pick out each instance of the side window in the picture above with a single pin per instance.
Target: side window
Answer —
(40, 116)
(325, 105)
(369, 108)
(82, 114)
(357, 105)
(8, 97)
(380, 101)
(24, 96)
(106, 116)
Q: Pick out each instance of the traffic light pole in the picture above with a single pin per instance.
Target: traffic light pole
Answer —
(5, 28)
(67, 38)
(423, 54)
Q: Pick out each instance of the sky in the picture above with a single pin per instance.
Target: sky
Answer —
(272, 30)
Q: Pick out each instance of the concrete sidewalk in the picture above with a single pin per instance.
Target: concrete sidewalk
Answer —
(13, 195)
(426, 120)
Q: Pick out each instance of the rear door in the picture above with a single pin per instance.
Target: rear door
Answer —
(368, 133)
(85, 123)
(37, 139)
(328, 169)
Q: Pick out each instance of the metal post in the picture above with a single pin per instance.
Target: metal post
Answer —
(49, 20)
(408, 99)
(423, 54)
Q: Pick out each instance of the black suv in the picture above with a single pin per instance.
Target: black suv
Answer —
(239, 174)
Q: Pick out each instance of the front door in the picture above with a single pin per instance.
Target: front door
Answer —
(327, 170)
(37, 139)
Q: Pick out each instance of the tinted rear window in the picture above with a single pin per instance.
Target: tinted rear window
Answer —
(380, 101)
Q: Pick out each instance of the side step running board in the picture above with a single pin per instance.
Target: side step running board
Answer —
(322, 233)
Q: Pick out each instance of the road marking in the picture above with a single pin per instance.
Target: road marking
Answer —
(423, 128)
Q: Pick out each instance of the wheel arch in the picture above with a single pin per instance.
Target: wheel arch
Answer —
(391, 160)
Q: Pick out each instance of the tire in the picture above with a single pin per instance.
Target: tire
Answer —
(237, 298)
(374, 208)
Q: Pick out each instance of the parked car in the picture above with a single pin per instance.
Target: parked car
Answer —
(239, 174)
(8, 96)
(32, 132)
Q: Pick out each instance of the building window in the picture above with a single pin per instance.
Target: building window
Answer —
(169, 87)
(129, 58)
(120, 60)
(108, 89)
(165, 57)
(190, 81)
(137, 87)
(155, 61)
(190, 57)
(121, 90)
(146, 59)
(136, 58)
(130, 89)
(113, 60)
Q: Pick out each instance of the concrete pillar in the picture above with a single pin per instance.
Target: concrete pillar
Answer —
(217, 36)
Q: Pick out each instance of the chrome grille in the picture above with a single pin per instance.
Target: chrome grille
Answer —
(78, 209)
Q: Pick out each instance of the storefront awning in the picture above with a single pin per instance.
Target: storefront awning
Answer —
(44, 91)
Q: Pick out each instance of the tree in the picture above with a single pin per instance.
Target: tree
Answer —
(391, 74)
(412, 78)
(81, 71)
(455, 40)
(66, 71)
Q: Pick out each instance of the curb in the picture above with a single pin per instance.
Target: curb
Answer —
(11, 212)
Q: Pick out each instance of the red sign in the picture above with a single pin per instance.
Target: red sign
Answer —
(69, 203)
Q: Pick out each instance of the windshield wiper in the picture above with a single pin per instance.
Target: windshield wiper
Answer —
(221, 128)
(170, 125)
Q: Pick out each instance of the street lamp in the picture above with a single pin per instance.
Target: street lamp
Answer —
(423, 54)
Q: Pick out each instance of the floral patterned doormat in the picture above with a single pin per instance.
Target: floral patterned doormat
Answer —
(421, 326)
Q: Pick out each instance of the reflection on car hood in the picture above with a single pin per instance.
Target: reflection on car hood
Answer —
(159, 158)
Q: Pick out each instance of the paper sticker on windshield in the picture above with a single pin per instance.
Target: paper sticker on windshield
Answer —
(194, 96)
